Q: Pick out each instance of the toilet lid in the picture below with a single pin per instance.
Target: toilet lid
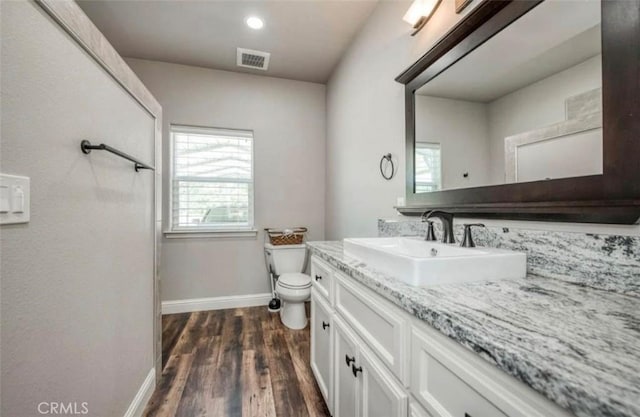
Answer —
(294, 280)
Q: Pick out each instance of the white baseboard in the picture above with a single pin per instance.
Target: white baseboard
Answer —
(215, 303)
(142, 396)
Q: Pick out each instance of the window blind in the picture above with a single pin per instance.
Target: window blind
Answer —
(212, 178)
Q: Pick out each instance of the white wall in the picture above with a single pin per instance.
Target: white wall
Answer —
(288, 120)
(365, 118)
(77, 280)
(537, 105)
(462, 129)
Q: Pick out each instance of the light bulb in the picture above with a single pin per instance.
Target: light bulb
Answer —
(254, 22)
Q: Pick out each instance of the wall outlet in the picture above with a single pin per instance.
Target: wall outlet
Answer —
(15, 199)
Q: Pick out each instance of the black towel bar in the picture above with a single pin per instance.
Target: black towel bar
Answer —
(87, 147)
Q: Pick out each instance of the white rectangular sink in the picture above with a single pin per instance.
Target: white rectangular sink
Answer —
(423, 263)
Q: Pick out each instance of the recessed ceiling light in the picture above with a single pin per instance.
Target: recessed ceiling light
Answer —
(255, 22)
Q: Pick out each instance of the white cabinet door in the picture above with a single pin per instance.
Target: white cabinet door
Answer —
(382, 396)
(322, 347)
(346, 387)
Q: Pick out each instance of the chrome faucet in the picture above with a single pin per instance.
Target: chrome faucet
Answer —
(447, 224)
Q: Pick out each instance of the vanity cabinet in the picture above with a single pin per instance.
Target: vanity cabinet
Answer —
(375, 359)
(355, 381)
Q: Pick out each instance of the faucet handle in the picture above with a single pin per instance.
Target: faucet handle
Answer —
(467, 240)
(431, 234)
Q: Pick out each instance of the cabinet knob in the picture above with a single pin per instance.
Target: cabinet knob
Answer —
(348, 359)
(324, 325)
(467, 415)
(318, 277)
(356, 370)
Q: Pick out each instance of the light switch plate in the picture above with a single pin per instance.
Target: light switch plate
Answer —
(10, 185)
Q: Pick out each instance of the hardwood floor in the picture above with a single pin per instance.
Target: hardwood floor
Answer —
(234, 363)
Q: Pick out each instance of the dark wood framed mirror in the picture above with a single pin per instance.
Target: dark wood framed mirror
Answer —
(582, 169)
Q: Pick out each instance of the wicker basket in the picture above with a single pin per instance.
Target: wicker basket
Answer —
(293, 236)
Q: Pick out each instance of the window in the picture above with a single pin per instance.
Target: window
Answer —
(428, 171)
(212, 179)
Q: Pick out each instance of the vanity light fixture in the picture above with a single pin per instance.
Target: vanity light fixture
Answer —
(254, 22)
(419, 13)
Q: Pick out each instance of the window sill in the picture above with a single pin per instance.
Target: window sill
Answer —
(210, 234)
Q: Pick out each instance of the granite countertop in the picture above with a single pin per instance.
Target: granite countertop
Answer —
(578, 346)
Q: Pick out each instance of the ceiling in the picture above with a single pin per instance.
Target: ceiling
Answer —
(305, 38)
(522, 53)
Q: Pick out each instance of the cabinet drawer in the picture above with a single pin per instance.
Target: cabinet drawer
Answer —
(439, 389)
(321, 278)
(383, 329)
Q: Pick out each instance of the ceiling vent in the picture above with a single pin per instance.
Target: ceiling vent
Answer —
(249, 58)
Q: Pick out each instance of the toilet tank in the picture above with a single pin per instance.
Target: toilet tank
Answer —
(283, 259)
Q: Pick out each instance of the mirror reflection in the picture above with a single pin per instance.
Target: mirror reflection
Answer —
(524, 106)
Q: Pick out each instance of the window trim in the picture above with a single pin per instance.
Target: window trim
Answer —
(208, 233)
(244, 230)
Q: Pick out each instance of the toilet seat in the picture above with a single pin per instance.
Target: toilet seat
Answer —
(294, 281)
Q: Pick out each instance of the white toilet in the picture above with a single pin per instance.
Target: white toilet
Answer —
(293, 287)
